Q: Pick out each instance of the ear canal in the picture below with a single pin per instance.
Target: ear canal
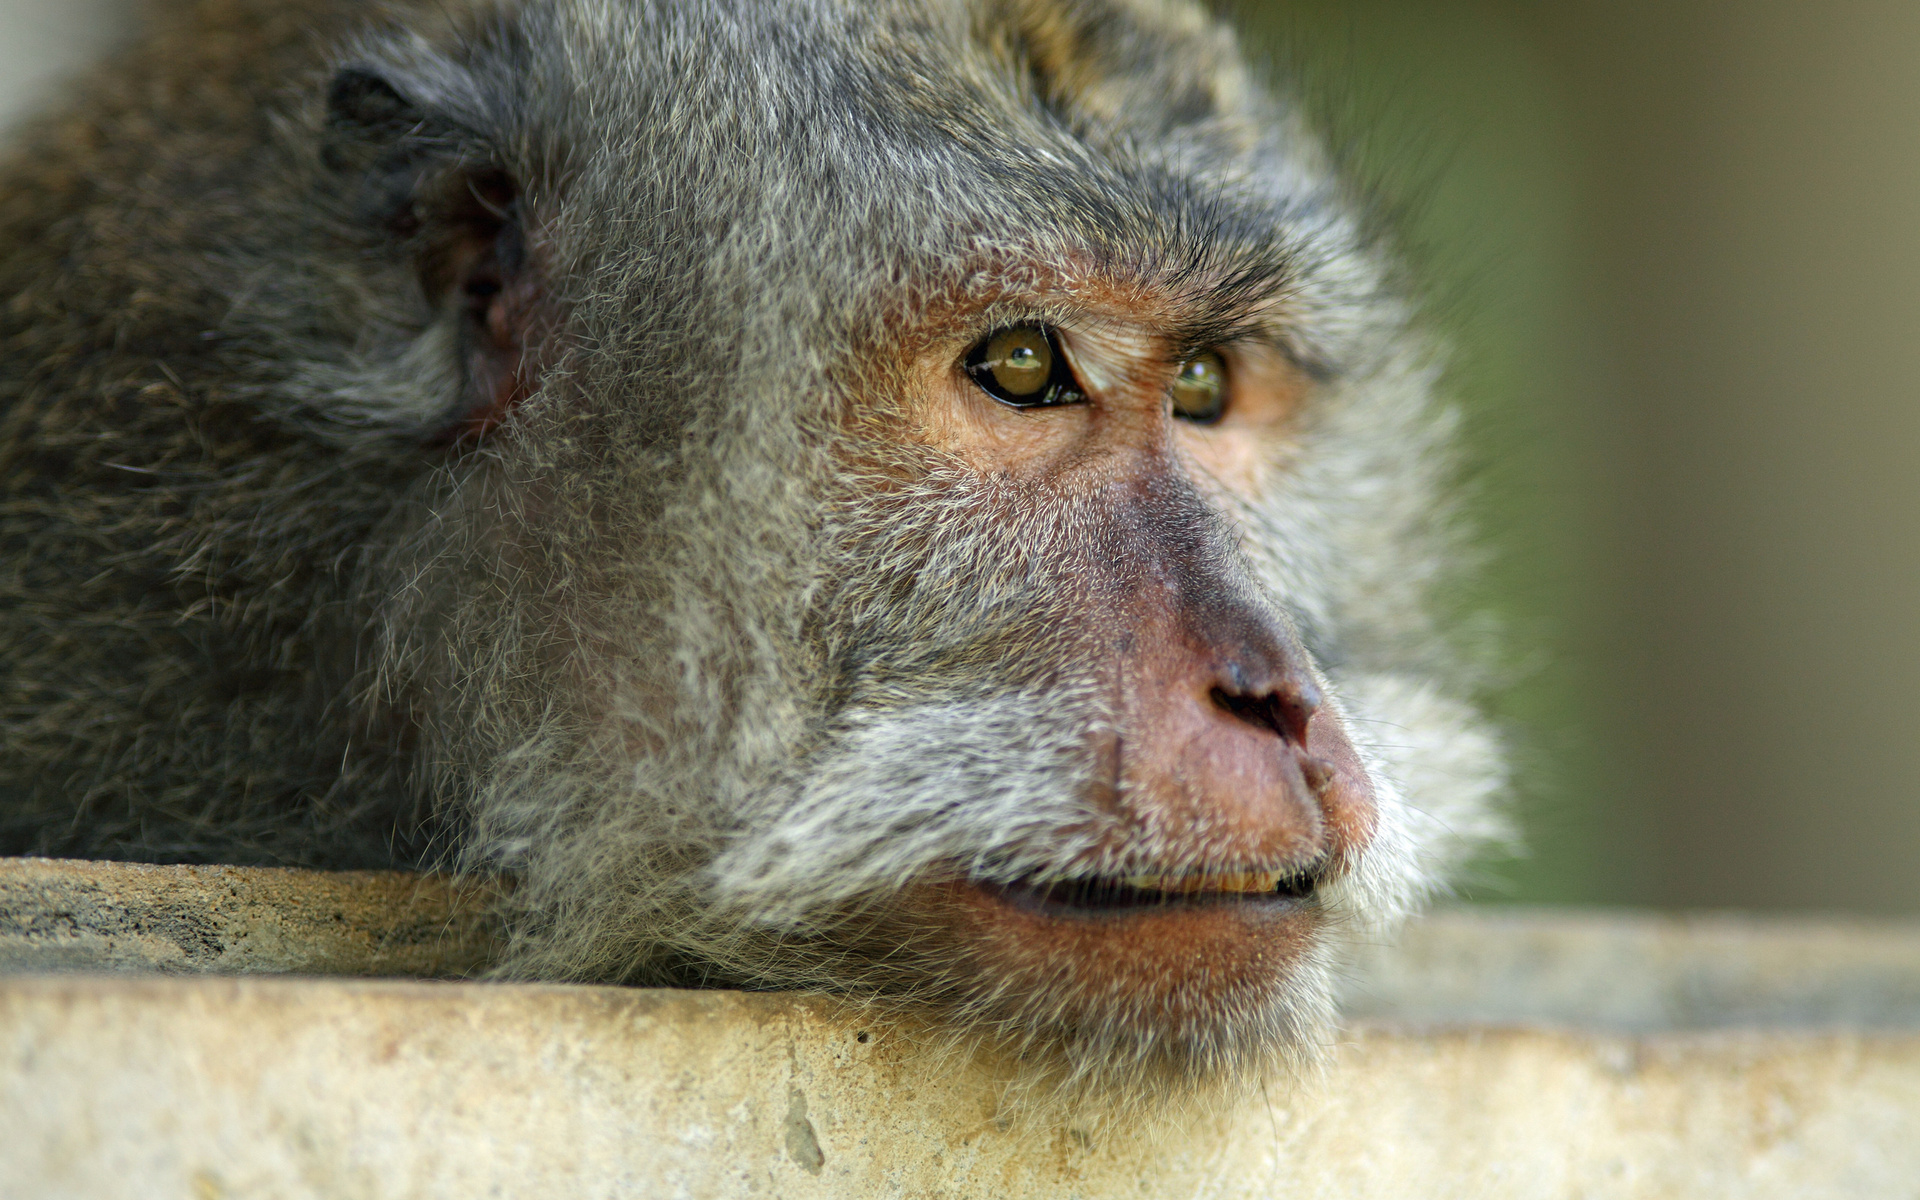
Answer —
(502, 304)
(427, 182)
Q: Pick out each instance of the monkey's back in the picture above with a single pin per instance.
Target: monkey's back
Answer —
(174, 567)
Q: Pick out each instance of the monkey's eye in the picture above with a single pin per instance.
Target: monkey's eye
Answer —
(1200, 389)
(1023, 366)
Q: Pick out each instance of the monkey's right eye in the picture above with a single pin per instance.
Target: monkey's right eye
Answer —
(1023, 366)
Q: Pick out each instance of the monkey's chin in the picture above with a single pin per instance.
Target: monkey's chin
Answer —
(1193, 989)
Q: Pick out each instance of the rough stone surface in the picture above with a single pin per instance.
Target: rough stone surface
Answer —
(200, 1087)
(1640, 971)
(1502, 1053)
(62, 915)
(1621, 971)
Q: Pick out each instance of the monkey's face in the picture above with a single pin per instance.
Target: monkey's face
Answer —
(945, 530)
(1075, 777)
(1075, 678)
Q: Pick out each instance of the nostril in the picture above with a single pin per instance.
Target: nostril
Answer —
(1285, 710)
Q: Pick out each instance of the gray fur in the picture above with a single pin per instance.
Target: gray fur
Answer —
(656, 647)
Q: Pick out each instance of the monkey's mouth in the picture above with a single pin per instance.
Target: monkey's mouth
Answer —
(1101, 894)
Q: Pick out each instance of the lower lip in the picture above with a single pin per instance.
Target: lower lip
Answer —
(1181, 967)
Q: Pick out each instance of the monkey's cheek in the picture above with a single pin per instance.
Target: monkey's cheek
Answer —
(1175, 968)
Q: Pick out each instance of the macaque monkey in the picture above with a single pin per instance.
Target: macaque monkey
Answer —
(936, 501)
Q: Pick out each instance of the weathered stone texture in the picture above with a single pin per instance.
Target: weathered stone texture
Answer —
(1640, 971)
(61, 915)
(1501, 1054)
(198, 1088)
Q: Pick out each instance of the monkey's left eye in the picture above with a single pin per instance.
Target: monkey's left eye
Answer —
(1023, 366)
(1200, 389)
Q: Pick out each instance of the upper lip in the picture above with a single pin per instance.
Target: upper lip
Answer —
(1191, 883)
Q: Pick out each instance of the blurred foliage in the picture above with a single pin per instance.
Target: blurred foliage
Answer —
(1447, 114)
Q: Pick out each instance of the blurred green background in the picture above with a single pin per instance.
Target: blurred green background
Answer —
(1677, 248)
(1676, 244)
(1449, 113)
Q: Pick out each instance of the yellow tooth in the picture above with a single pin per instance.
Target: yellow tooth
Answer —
(1218, 881)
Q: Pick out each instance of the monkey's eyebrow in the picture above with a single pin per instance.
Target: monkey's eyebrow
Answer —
(1264, 323)
(1220, 277)
(1256, 289)
(1271, 329)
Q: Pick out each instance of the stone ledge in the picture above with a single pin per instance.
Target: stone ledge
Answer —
(1622, 971)
(57, 914)
(203, 1088)
(1501, 1053)
(1630, 971)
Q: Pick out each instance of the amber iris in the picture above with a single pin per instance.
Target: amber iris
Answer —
(1022, 366)
(1021, 360)
(1200, 389)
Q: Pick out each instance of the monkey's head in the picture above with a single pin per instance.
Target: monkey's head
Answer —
(933, 487)
(935, 500)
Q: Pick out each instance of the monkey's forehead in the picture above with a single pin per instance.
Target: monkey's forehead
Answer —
(904, 149)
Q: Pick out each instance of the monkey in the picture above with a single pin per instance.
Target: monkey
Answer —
(939, 502)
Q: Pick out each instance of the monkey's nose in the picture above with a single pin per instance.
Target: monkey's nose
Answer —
(1281, 701)
(1228, 750)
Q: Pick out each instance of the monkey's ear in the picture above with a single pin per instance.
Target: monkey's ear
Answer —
(423, 177)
